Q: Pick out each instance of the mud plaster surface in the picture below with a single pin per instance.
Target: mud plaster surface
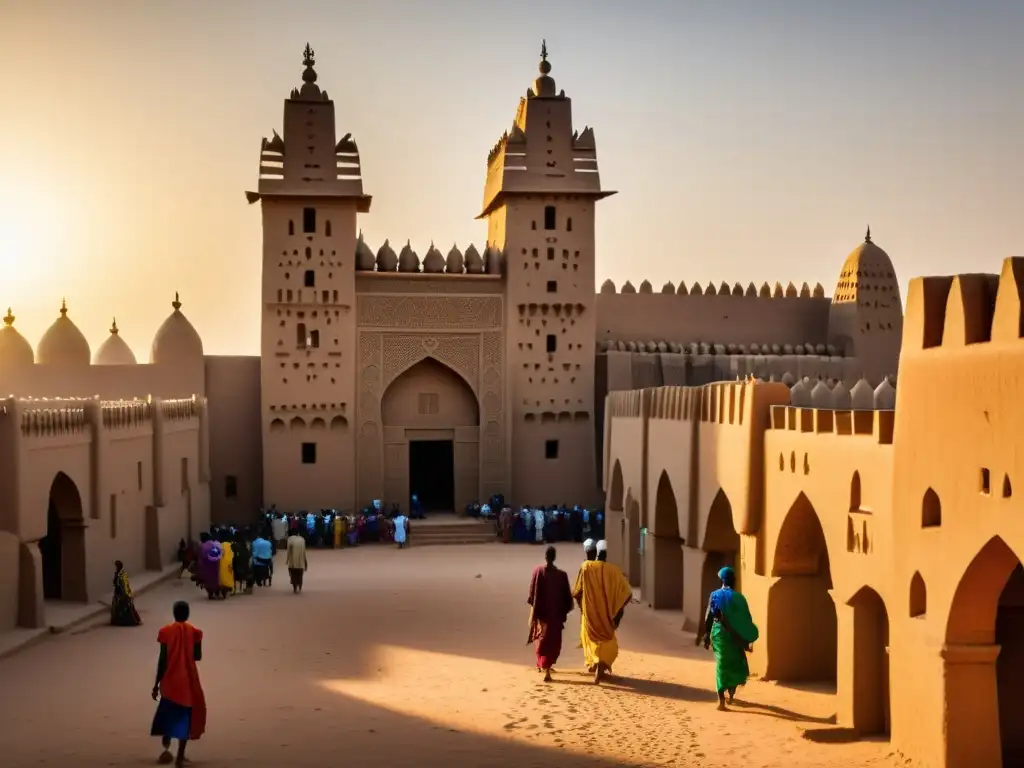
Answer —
(411, 658)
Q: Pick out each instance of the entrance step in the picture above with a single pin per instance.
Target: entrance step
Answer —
(451, 532)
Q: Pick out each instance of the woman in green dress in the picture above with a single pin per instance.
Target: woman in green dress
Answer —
(729, 631)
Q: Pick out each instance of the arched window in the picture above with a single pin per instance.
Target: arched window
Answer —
(931, 510)
(855, 492)
(918, 596)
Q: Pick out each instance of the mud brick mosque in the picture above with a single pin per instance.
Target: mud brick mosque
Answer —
(874, 529)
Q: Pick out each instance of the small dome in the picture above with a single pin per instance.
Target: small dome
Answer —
(885, 396)
(821, 395)
(364, 256)
(841, 398)
(408, 261)
(544, 86)
(862, 397)
(176, 341)
(682, 290)
(387, 260)
(113, 351)
(63, 343)
(788, 379)
(15, 351)
(433, 262)
(608, 286)
(455, 264)
(696, 290)
(628, 288)
(867, 266)
(492, 257)
(668, 288)
(474, 261)
(799, 395)
(646, 287)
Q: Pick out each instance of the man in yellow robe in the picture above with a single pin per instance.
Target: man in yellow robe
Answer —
(602, 592)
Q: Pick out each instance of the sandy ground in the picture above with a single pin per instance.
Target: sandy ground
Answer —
(405, 658)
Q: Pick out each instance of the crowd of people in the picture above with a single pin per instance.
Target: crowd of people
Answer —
(549, 524)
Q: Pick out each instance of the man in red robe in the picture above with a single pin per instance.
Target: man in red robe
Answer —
(550, 603)
(181, 713)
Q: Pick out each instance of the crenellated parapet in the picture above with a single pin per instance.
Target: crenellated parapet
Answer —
(52, 419)
(877, 424)
(125, 414)
(723, 289)
(434, 263)
(964, 310)
(661, 346)
(179, 410)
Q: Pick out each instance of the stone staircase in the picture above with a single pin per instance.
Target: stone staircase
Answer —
(451, 531)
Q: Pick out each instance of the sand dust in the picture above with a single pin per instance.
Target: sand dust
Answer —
(411, 658)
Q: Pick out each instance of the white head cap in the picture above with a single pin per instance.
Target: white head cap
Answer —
(602, 546)
(588, 545)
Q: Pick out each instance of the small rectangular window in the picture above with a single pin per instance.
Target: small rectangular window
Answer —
(551, 254)
(309, 220)
(986, 482)
(552, 343)
(314, 339)
(550, 449)
(230, 487)
(309, 453)
(301, 340)
(568, 224)
(428, 404)
(325, 296)
(309, 279)
(138, 471)
(113, 515)
(552, 286)
(549, 217)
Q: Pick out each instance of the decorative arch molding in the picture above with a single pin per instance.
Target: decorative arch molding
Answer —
(616, 491)
(972, 614)
(477, 358)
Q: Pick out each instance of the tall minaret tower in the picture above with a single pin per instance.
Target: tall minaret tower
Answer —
(311, 190)
(539, 201)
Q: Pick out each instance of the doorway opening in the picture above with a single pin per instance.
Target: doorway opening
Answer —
(802, 626)
(50, 548)
(432, 474)
(721, 545)
(870, 664)
(1010, 666)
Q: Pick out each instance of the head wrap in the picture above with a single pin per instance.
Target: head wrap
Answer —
(602, 546)
(726, 573)
(588, 545)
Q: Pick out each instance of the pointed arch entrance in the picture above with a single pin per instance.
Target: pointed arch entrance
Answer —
(870, 663)
(663, 551)
(63, 547)
(431, 421)
(984, 660)
(802, 626)
(720, 544)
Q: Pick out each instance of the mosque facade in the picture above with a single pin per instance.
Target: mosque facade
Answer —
(460, 375)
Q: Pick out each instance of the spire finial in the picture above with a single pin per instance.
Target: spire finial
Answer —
(113, 327)
(867, 235)
(177, 302)
(63, 307)
(8, 318)
(545, 65)
(309, 75)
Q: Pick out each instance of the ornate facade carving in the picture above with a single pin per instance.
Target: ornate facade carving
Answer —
(434, 312)
(477, 357)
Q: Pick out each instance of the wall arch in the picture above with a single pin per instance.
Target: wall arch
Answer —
(296, 423)
(666, 510)
(339, 424)
(985, 628)
(277, 425)
(870, 663)
(63, 547)
(802, 626)
(430, 394)
(615, 489)
(918, 596)
(422, 356)
(931, 509)
(855, 499)
(721, 545)
(318, 424)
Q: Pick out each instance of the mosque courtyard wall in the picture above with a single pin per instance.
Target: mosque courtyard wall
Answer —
(879, 543)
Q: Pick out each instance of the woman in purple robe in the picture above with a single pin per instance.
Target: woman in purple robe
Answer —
(208, 565)
(550, 603)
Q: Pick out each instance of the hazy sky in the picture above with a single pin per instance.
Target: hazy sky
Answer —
(748, 140)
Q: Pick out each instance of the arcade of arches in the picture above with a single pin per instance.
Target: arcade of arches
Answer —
(431, 421)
